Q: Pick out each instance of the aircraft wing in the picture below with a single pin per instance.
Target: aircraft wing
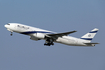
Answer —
(61, 34)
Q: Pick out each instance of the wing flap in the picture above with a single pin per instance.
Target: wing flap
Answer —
(61, 34)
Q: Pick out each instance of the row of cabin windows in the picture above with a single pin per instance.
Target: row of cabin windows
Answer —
(23, 27)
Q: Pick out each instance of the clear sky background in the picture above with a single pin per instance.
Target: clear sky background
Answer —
(20, 53)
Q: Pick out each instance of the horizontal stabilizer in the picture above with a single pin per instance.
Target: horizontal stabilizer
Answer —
(91, 44)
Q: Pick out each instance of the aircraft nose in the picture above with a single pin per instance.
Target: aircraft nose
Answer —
(5, 26)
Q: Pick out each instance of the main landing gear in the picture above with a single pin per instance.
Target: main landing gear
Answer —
(49, 42)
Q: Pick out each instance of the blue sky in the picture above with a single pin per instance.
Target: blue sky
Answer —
(20, 53)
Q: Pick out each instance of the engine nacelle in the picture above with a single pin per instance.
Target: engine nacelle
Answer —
(39, 35)
(34, 38)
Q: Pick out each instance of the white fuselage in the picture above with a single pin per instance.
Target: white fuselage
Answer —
(32, 31)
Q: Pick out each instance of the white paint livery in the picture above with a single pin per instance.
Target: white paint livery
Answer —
(50, 37)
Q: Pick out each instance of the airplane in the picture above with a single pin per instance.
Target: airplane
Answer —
(50, 37)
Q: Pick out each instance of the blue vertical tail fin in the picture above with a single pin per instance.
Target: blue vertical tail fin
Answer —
(89, 36)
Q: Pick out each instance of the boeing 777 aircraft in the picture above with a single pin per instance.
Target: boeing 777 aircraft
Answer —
(51, 37)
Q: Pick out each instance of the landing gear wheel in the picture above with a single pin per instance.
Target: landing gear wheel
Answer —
(52, 43)
(11, 34)
(47, 44)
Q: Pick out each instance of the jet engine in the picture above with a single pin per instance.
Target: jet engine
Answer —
(34, 38)
(39, 35)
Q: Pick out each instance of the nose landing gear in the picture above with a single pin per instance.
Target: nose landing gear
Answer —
(11, 33)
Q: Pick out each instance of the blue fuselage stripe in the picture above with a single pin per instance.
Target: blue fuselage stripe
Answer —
(31, 32)
(87, 38)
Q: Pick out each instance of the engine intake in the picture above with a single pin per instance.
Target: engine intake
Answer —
(39, 35)
(34, 38)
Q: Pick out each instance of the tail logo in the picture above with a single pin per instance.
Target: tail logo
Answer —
(89, 36)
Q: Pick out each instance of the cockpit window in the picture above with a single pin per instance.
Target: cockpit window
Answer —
(8, 24)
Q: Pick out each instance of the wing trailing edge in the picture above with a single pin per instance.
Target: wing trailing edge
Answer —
(61, 34)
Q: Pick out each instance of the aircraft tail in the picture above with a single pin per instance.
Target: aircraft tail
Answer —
(89, 36)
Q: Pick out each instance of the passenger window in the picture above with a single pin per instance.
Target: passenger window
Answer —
(18, 26)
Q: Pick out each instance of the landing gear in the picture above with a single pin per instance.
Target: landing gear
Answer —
(11, 33)
(49, 42)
